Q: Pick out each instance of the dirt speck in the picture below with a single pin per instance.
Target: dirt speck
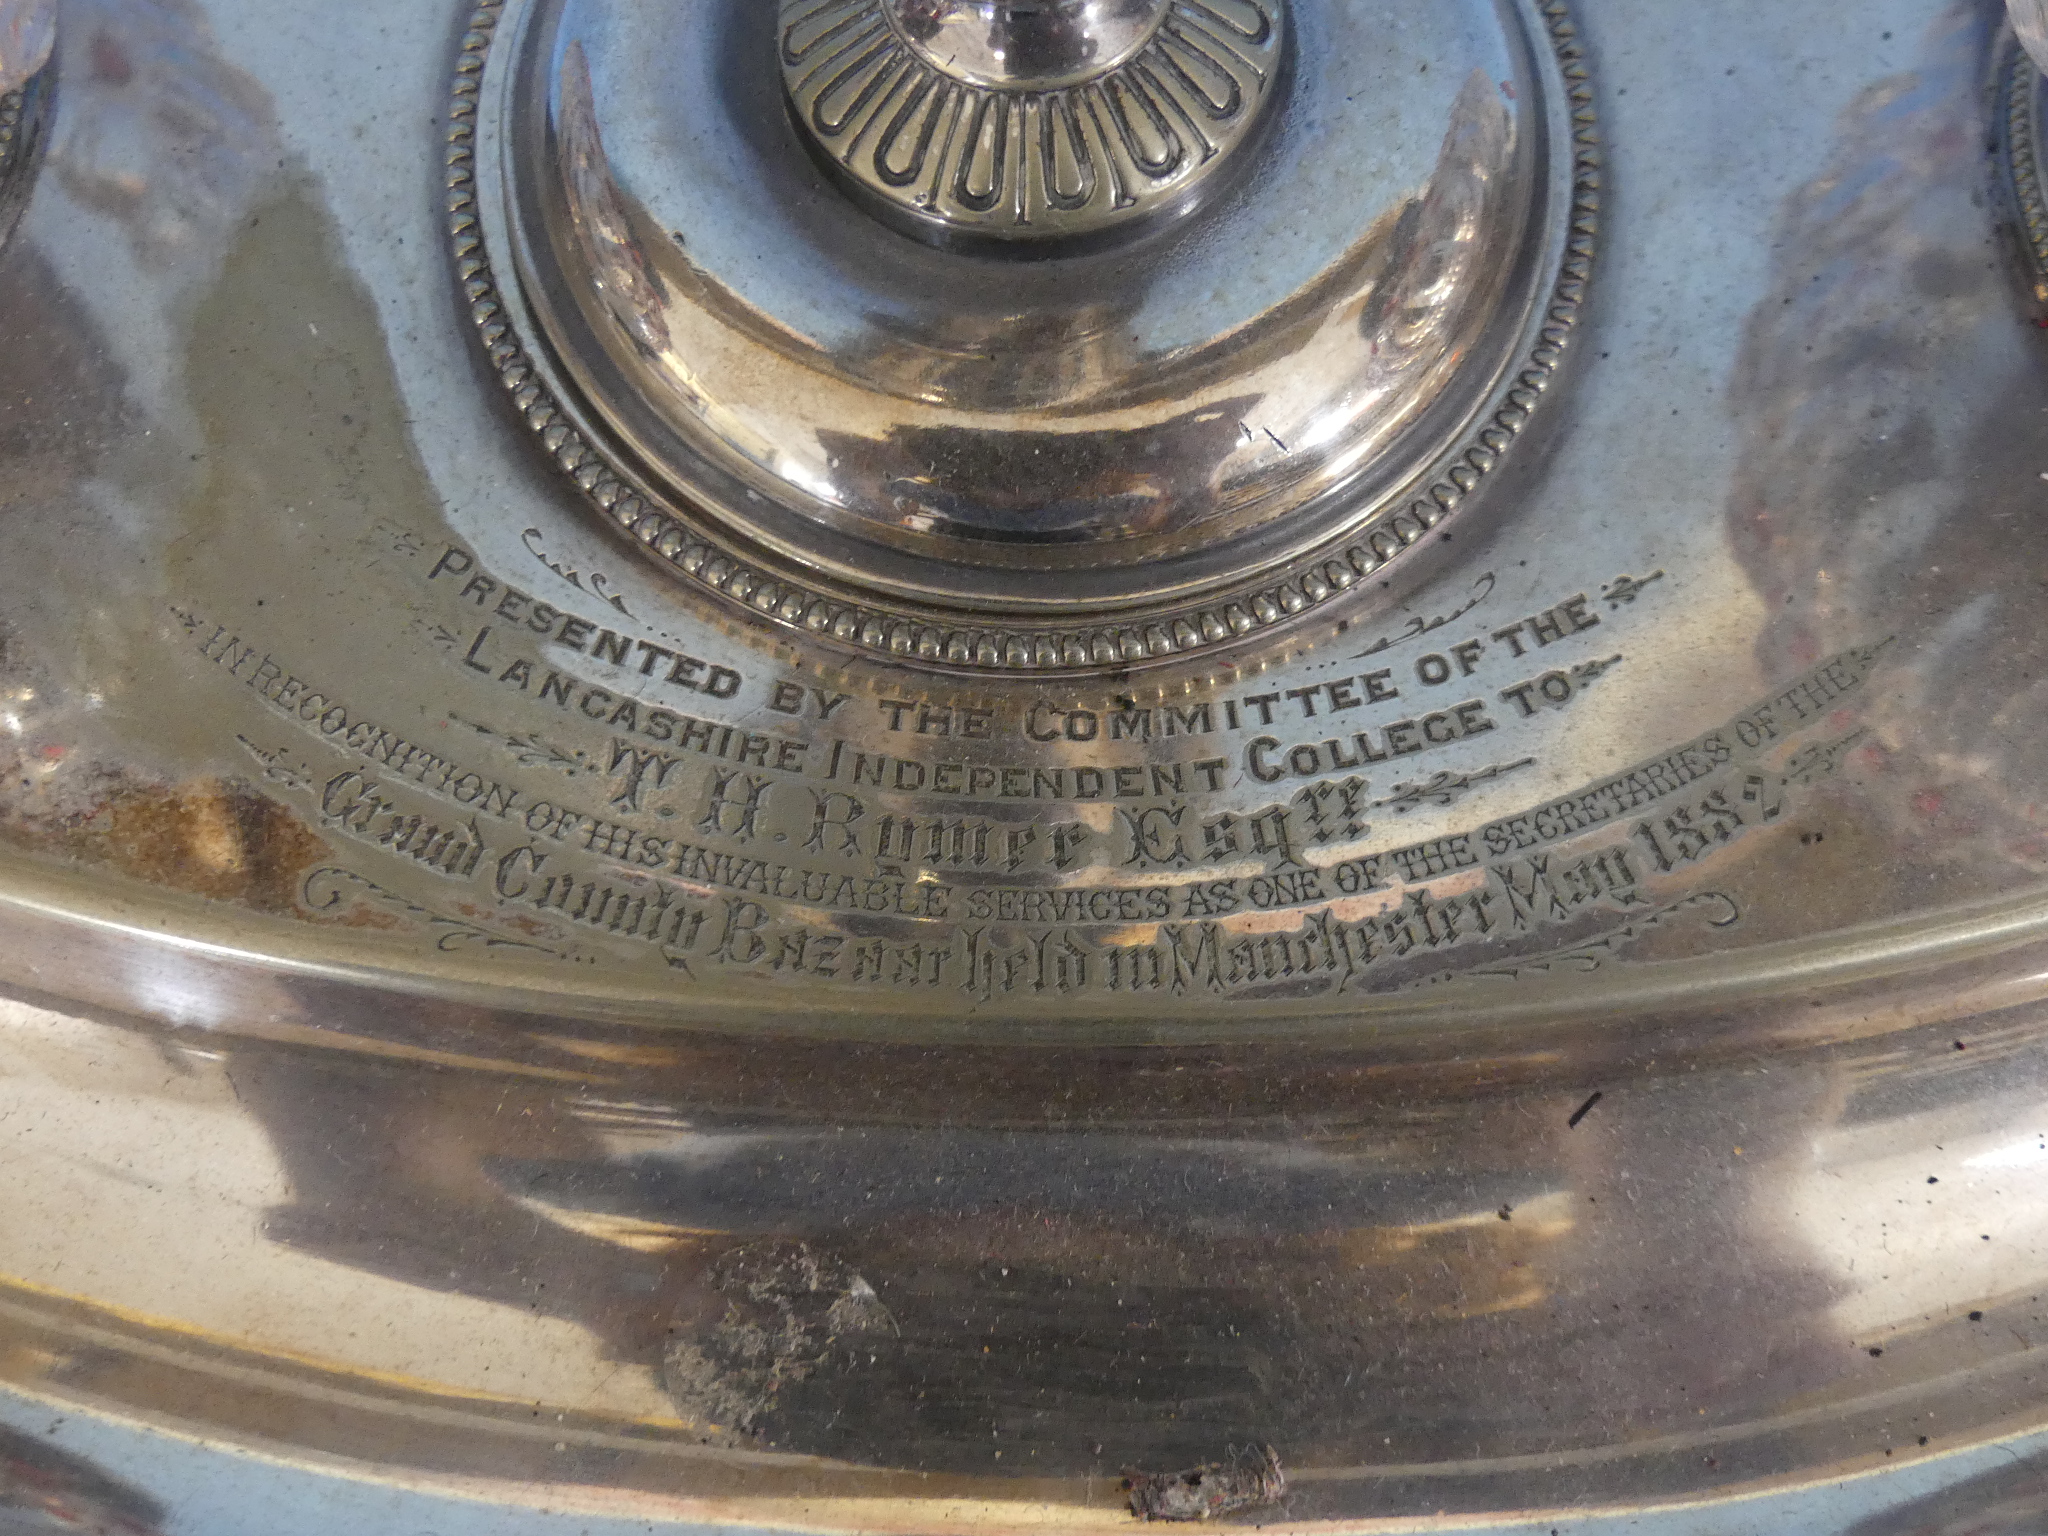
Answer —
(1246, 1478)
(778, 1311)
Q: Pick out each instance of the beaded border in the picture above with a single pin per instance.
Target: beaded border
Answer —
(1019, 647)
(10, 129)
(19, 119)
(2023, 163)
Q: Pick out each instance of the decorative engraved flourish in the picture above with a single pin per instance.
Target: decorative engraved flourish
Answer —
(1593, 671)
(598, 583)
(1232, 615)
(1626, 589)
(401, 541)
(1824, 760)
(1445, 788)
(1595, 955)
(532, 750)
(329, 886)
(278, 768)
(1418, 626)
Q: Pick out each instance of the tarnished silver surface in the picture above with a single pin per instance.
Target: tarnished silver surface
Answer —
(1031, 120)
(507, 1035)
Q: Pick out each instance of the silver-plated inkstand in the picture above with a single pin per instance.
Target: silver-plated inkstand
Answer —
(974, 765)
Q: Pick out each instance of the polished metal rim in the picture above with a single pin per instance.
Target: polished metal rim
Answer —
(793, 598)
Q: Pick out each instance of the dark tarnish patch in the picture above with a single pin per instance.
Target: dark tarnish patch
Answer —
(786, 1309)
(1244, 1479)
(211, 837)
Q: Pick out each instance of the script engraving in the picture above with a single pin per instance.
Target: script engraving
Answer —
(801, 854)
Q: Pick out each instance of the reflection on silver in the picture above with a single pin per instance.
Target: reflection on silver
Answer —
(28, 32)
(157, 128)
(1048, 119)
(2030, 21)
(1036, 45)
(46, 1492)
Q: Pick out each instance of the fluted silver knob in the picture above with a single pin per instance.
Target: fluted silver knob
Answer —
(1030, 119)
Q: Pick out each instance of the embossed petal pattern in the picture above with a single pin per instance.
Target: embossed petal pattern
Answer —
(963, 117)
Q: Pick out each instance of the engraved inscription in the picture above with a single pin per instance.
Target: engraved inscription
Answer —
(1453, 668)
(711, 847)
(519, 614)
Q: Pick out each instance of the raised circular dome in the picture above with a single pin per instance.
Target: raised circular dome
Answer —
(1145, 449)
